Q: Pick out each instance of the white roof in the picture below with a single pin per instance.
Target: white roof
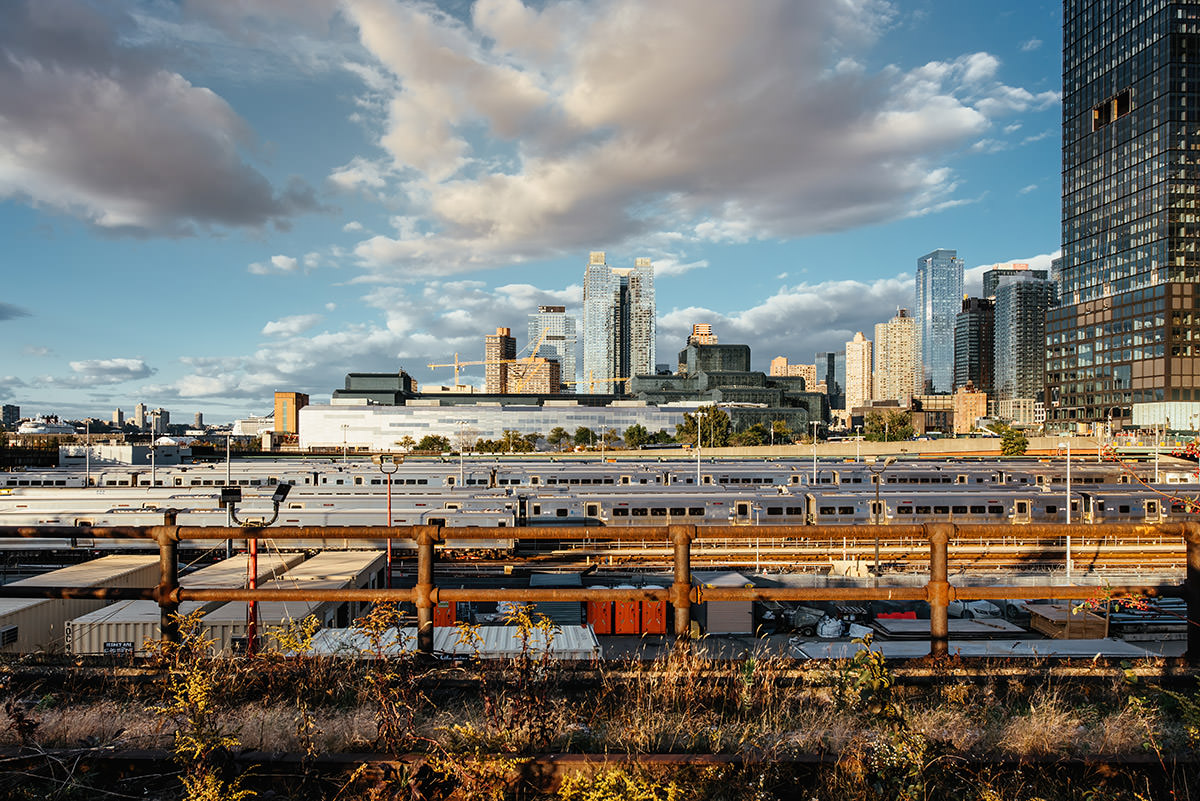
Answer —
(914, 649)
(495, 642)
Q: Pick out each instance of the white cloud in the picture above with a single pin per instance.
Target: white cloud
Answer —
(277, 264)
(291, 326)
(1031, 44)
(98, 372)
(353, 225)
(973, 277)
(621, 122)
(1025, 190)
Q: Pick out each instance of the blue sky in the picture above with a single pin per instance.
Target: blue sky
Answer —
(202, 202)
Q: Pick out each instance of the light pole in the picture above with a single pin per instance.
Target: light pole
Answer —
(462, 446)
(228, 456)
(878, 510)
(1068, 446)
(814, 424)
(87, 454)
(344, 448)
(1156, 437)
(387, 477)
(857, 445)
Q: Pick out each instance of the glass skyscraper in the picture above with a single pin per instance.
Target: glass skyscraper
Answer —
(1019, 335)
(973, 345)
(831, 368)
(556, 330)
(1128, 320)
(939, 300)
(618, 323)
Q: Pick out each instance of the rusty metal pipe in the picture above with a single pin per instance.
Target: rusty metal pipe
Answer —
(939, 535)
(1192, 592)
(168, 582)
(422, 593)
(682, 536)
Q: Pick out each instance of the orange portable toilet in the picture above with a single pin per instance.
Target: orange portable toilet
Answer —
(628, 614)
(600, 616)
(654, 614)
(445, 614)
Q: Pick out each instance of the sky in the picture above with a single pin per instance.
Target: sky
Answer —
(206, 201)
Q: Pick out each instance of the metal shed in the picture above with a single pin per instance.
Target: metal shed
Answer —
(124, 627)
(725, 617)
(564, 613)
(37, 624)
(495, 642)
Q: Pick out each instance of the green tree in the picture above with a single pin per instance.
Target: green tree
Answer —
(661, 437)
(887, 426)
(433, 442)
(1012, 441)
(753, 436)
(406, 443)
(584, 436)
(559, 437)
(636, 435)
(780, 433)
(714, 427)
(532, 439)
(609, 437)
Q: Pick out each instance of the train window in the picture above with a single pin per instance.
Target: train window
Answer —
(1022, 507)
(695, 511)
(978, 510)
(561, 512)
(639, 511)
(620, 512)
(795, 511)
(608, 481)
(678, 511)
(827, 510)
(774, 510)
(923, 480)
(537, 509)
(552, 480)
(904, 510)
(959, 510)
(1123, 508)
(962, 479)
(374, 482)
(845, 510)
(1151, 507)
(1051, 509)
(743, 509)
(422, 481)
(592, 510)
(60, 483)
(923, 510)
(659, 511)
(941, 510)
(995, 510)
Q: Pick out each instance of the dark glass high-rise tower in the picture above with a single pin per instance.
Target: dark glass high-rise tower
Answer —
(939, 299)
(1125, 329)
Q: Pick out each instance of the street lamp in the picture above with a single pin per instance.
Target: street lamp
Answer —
(1068, 446)
(857, 445)
(344, 449)
(814, 424)
(462, 446)
(877, 473)
(87, 454)
(384, 463)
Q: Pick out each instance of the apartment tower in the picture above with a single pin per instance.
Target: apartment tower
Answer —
(897, 359)
(939, 299)
(858, 371)
(618, 323)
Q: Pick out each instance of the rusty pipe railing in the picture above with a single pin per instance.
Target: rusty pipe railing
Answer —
(682, 594)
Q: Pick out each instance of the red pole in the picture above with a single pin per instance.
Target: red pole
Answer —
(252, 583)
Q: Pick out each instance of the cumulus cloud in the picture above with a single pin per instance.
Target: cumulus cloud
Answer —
(276, 264)
(617, 122)
(1031, 44)
(100, 372)
(353, 225)
(11, 312)
(38, 351)
(1025, 190)
(94, 127)
(973, 277)
(291, 326)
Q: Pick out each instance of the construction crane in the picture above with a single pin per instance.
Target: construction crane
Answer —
(592, 381)
(529, 360)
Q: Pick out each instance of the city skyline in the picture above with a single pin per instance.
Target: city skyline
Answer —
(439, 199)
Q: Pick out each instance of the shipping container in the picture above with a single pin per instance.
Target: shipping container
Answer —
(654, 614)
(627, 615)
(494, 642)
(725, 617)
(124, 627)
(29, 625)
(600, 616)
(445, 614)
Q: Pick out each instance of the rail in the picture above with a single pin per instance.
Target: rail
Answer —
(425, 595)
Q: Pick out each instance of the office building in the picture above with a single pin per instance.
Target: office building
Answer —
(9, 415)
(198, 420)
(781, 368)
(858, 371)
(897, 374)
(991, 277)
(159, 420)
(1125, 329)
(939, 297)
(557, 331)
(139, 417)
(118, 418)
(499, 349)
(969, 406)
(974, 350)
(702, 334)
(831, 371)
(287, 412)
(618, 323)
(1020, 336)
(536, 375)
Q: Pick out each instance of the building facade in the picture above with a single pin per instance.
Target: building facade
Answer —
(858, 371)
(287, 412)
(969, 406)
(159, 420)
(831, 371)
(781, 368)
(118, 418)
(499, 349)
(702, 334)
(939, 299)
(1124, 331)
(974, 349)
(536, 375)
(897, 375)
(558, 332)
(139, 417)
(10, 414)
(1020, 335)
(618, 323)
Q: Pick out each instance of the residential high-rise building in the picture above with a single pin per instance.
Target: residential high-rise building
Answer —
(139, 417)
(781, 368)
(287, 412)
(991, 277)
(969, 405)
(557, 331)
(939, 298)
(702, 334)
(618, 322)
(198, 420)
(498, 350)
(1126, 327)
(858, 371)
(973, 345)
(1020, 336)
(118, 418)
(10, 414)
(538, 375)
(831, 371)
(159, 420)
(897, 360)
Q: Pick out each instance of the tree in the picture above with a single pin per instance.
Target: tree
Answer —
(661, 437)
(780, 433)
(714, 427)
(406, 443)
(532, 439)
(513, 442)
(609, 436)
(584, 436)
(888, 426)
(636, 435)
(752, 436)
(559, 437)
(1012, 441)
(433, 442)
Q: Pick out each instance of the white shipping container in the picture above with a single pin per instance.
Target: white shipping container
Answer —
(495, 642)
(29, 625)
